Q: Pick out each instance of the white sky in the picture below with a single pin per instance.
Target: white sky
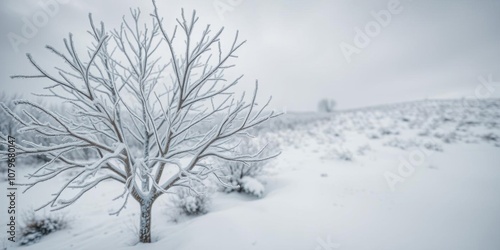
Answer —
(431, 49)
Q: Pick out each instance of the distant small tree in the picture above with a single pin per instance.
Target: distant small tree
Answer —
(140, 113)
(326, 105)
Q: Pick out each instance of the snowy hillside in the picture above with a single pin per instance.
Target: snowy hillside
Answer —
(418, 175)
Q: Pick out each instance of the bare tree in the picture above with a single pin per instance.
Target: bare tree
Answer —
(141, 113)
(326, 105)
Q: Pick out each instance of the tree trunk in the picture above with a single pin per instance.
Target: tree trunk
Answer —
(145, 226)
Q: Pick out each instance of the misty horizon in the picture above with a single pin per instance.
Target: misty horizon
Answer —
(315, 50)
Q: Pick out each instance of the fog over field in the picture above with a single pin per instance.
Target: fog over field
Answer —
(428, 49)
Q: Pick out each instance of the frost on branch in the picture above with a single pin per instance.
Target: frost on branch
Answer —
(144, 99)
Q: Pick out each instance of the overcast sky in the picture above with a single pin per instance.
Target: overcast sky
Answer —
(428, 49)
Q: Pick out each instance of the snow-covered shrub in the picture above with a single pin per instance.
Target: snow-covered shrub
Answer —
(340, 153)
(193, 201)
(35, 227)
(244, 176)
(433, 146)
(440, 134)
(388, 131)
(187, 202)
(373, 136)
(471, 140)
(402, 143)
(424, 132)
(252, 186)
(362, 150)
(490, 137)
(450, 137)
(344, 155)
(405, 119)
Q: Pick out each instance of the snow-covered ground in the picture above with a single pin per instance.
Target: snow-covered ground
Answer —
(423, 175)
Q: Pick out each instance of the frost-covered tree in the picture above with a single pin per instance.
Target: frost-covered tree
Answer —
(326, 105)
(145, 100)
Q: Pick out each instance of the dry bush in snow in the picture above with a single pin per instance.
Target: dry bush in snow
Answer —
(34, 227)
